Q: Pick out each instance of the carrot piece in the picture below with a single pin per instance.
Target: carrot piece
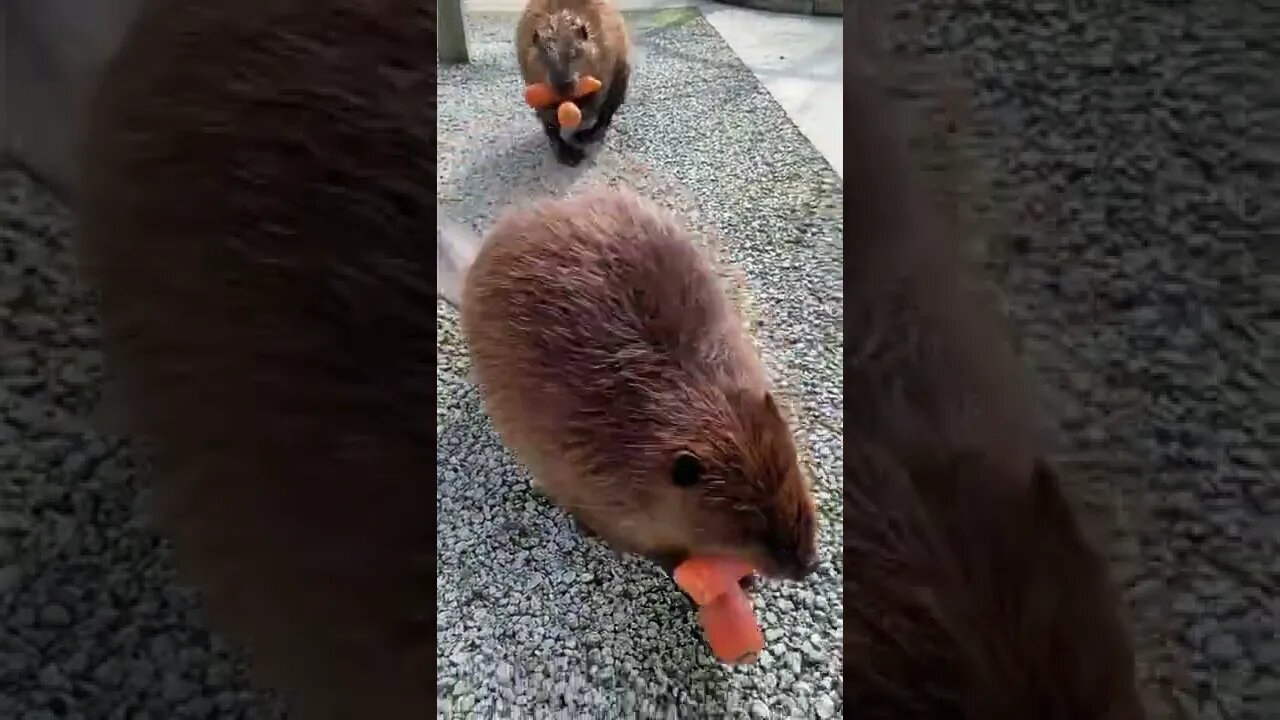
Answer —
(707, 578)
(724, 609)
(539, 95)
(730, 626)
(569, 115)
(586, 85)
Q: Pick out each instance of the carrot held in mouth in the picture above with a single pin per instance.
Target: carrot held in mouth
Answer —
(724, 608)
(540, 95)
(568, 113)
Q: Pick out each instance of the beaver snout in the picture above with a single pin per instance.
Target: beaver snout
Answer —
(804, 568)
(563, 82)
(795, 565)
(792, 545)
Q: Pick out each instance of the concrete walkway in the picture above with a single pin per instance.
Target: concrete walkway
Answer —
(799, 59)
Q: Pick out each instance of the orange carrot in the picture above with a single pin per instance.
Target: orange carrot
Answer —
(586, 85)
(730, 626)
(569, 115)
(707, 578)
(724, 609)
(540, 95)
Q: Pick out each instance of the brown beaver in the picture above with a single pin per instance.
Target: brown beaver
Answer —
(615, 366)
(558, 41)
(971, 591)
(257, 176)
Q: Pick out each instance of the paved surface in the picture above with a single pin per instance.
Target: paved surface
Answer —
(800, 60)
(531, 614)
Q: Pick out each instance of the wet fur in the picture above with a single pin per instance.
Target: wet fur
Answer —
(606, 345)
(971, 591)
(257, 179)
(546, 42)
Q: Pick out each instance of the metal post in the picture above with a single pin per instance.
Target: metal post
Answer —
(451, 32)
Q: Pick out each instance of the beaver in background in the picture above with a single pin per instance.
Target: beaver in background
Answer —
(971, 591)
(559, 41)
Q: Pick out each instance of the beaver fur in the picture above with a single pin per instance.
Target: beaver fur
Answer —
(257, 178)
(616, 367)
(971, 591)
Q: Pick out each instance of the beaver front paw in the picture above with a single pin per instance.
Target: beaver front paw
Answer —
(569, 155)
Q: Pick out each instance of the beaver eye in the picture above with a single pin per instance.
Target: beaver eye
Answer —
(582, 32)
(686, 471)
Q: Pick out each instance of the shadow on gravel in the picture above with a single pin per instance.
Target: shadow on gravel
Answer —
(511, 175)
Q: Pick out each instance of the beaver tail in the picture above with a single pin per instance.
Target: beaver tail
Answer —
(456, 250)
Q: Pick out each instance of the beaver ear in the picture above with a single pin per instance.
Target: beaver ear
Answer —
(1047, 489)
(771, 405)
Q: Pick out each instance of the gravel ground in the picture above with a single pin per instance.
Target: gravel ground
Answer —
(531, 615)
(1121, 169)
(93, 625)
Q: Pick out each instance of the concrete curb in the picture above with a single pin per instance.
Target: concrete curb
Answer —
(796, 7)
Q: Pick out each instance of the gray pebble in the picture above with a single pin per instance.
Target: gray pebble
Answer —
(14, 523)
(1224, 648)
(109, 674)
(54, 616)
(10, 576)
(51, 678)
(177, 689)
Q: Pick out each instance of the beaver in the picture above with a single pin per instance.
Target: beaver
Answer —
(615, 366)
(971, 590)
(255, 179)
(559, 41)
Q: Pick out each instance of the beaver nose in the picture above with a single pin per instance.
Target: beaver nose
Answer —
(804, 568)
(562, 83)
(797, 566)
